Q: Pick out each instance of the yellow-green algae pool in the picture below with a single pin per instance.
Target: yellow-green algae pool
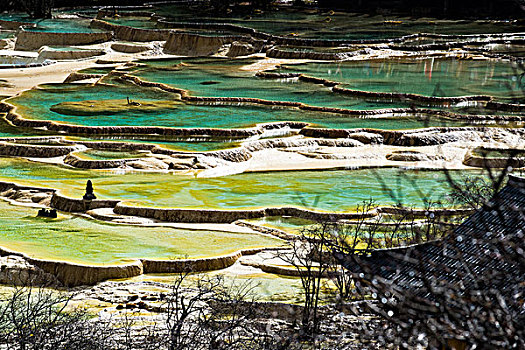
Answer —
(79, 240)
(337, 190)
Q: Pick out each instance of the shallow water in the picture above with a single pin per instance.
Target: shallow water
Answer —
(104, 155)
(85, 241)
(287, 224)
(221, 78)
(179, 144)
(36, 104)
(430, 77)
(73, 24)
(6, 35)
(324, 190)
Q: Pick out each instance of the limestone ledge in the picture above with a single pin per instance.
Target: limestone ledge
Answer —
(68, 274)
(390, 112)
(130, 48)
(479, 161)
(307, 55)
(179, 42)
(75, 205)
(71, 275)
(16, 271)
(122, 11)
(17, 120)
(183, 43)
(34, 151)
(127, 33)
(81, 76)
(411, 156)
(302, 42)
(259, 145)
(61, 147)
(266, 230)
(47, 53)
(77, 162)
(26, 195)
(30, 41)
(203, 264)
(14, 25)
(184, 95)
(229, 216)
(418, 137)
(509, 107)
(401, 97)
(317, 137)
(194, 45)
(182, 215)
(427, 100)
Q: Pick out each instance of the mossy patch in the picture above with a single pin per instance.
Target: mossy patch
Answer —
(110, 107)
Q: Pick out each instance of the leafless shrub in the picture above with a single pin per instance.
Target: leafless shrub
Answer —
(37, 318)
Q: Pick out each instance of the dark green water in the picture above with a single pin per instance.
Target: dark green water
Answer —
(430, 77)
(339, 25)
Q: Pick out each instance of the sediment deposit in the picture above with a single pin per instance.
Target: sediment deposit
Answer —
(30, 41)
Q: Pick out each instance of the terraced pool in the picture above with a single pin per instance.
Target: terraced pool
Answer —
(78, 240)
(325, 190)
(226, 78)
(430, 77)
(107, 103)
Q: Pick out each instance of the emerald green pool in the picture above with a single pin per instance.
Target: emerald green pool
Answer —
(36, 104)
(92, 154)
(324, 190)
(430, 77)
(181, 144)
(229, 78)
(79, 240)
(62, 22)
(226, 78)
